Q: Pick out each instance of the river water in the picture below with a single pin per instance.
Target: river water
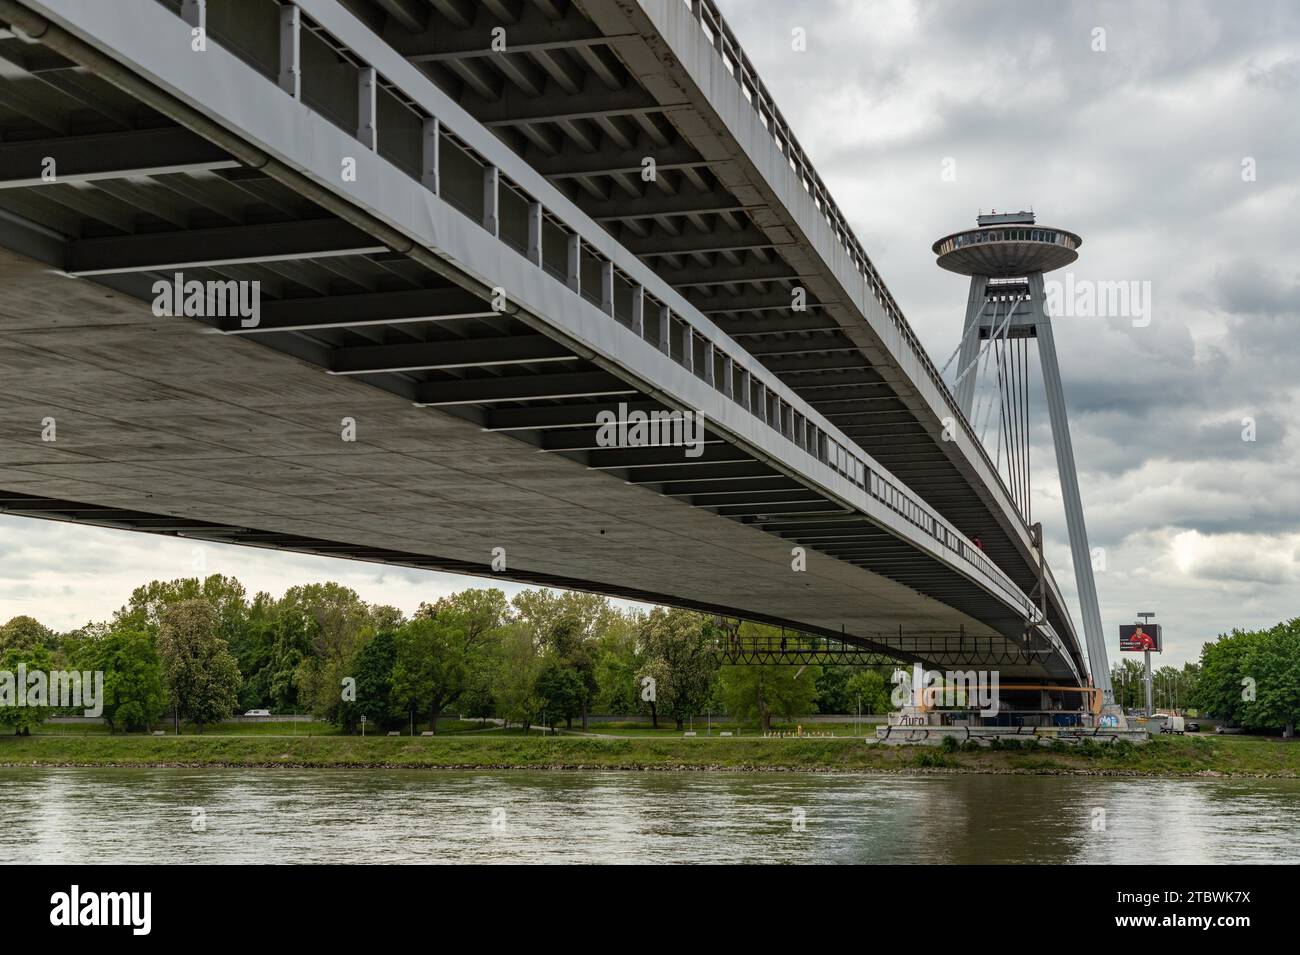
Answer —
(376, 816)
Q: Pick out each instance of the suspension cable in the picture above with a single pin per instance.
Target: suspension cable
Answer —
(956, 351)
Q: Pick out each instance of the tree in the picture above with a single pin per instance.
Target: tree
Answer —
(561, 691)
(1220, 691)
(478, 700)
(1274, 661)
(870, 687)
(373, 670)
(479, 616)
(76, 645)
(385, 618)
(335, 622)
(30, 659)
(199, 672)
(619, 662)
(443, 651)
(430, 670)
(1127, 676)
(679, 657)
(25, 633)
(569, 647)
(476, 613)
(226, 595)
(764, 690)
(134, 696)
(567, 625)
(542, 610)
(515, 679)
(290, 628)
(254, 651)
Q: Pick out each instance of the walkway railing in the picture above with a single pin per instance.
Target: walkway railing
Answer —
(753, 89)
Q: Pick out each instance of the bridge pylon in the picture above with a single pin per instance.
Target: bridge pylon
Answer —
(1006, 257)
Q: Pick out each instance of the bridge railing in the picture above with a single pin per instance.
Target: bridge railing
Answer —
(556, 236)
(962, 650)
(752, 87)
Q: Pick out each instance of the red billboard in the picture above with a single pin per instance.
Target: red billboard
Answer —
(1140, 636)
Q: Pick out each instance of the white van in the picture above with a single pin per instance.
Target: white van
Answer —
(1174, 724)
(258, 713)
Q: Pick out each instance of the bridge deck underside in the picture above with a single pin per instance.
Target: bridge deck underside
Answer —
(237, 434)
(164, 427)
(586, 97)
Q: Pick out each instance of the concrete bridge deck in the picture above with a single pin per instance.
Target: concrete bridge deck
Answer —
(474, 422)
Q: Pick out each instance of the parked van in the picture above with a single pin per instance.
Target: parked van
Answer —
(258, 713)
(1174, 724)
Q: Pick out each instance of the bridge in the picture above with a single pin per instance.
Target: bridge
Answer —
(473, 228)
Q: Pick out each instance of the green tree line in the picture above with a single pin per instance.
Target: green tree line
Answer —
(1251, 678)
(199, 650)
(1172, 688)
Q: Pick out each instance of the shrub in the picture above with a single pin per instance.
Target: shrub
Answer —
(929, 758)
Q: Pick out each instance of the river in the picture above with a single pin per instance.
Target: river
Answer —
(378, 816)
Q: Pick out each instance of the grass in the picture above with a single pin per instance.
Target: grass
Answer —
(1161, 757)
(277, 728)
(267, 728)
(702, 728)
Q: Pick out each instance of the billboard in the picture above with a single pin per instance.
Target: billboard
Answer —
(1140, 636)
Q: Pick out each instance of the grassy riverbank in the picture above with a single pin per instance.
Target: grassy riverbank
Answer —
(1161, 757)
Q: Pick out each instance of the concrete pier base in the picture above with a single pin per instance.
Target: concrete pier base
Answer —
(896, 735)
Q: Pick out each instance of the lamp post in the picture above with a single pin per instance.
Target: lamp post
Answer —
(1146, 656)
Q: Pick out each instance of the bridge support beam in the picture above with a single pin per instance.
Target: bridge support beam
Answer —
(195, 13)
(198, 248)
(1080, 553)
(521, 388)
(367, 115)
(492, 200)
(432, 135)
(535, 233)
(573, 263)
(290, 76)
(970, 345)
(104, 156)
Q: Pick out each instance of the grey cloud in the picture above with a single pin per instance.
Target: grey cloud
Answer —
(1283, 76)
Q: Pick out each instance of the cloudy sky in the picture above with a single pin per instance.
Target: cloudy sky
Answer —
(1129, 123)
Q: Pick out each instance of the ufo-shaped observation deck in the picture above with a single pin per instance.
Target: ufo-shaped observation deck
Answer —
(1008, 251)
